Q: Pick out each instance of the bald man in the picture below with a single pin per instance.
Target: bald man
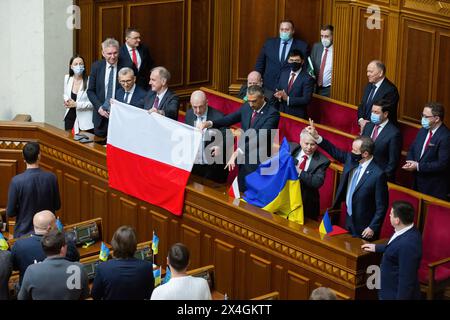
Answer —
(210, 162)
(254, 78)
(28, 250)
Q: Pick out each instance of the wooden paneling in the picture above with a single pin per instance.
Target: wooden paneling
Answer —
(191, 238)
(110, 24)
(258, 281)
(8, 169)
(298, 287)
(307, 18)
(85, 213)
(160, 226)
(442, 70)
(72, 199)
(99, 207)
(224, 255)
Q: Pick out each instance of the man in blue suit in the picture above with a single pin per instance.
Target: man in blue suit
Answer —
(387, 138)
(272, 58)
(429, 157)
(295, 87)
(130, 93)
(363, 186)
(401, 256)
(257, 119)
(103, 85)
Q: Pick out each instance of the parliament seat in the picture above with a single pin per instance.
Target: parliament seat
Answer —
(207, 273)
(269, 296)
(87, 231)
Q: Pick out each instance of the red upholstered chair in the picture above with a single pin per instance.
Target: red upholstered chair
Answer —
(434, 271)
(409, 133)
(222, 102)
(327, 189)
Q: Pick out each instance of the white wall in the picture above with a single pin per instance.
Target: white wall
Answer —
(5, 56)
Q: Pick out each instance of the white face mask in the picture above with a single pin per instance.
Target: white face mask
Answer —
(326, 42)
(78, 69)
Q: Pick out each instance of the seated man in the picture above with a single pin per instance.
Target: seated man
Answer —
(295, 87)
(130, 93)
(55, 278)
(322, 293)
(387, 138)
(124, 277)
(160, 99)
(254, 79)
(429, 155)
(311, 166)
(181, 286)
(28, 250)
(5, 273)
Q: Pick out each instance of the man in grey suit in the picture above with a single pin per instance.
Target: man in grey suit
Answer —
(311, 167)
(55, 278)
(322, 60)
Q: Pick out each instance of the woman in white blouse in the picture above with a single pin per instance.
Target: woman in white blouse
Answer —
(77, 104)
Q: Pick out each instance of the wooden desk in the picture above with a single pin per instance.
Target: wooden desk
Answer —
(253, 251)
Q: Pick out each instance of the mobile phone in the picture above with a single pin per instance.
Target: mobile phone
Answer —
(86, 140)
(78, 137)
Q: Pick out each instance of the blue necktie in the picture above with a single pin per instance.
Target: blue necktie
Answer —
(125, 98)
(351, 189)
(370, 99)
(109, 92)
(283, 52)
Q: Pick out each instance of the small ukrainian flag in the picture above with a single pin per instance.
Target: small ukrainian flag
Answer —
(59, 225)
(104, 252)
(157, 276)
(325, 226)
(155, 243)
(3, 243)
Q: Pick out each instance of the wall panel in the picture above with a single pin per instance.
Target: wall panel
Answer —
(72, 196)
(8, 169)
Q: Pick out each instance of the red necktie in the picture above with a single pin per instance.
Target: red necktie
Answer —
(291, 82)
(302, 164)
(375, 132)
(135, 60)
(322, 68)
(156, 103)
(253, 118)
(428, 141)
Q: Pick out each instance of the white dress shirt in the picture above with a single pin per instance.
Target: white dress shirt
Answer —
(130, 52)
(327, 71)
(130, 94)
(380, 127)
(200, 158)
(300, 159)
(107, 72)
(295, 78)
(361, 172)
(400, 232)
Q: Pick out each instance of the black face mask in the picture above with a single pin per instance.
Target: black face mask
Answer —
(356, 157)
(295, 66)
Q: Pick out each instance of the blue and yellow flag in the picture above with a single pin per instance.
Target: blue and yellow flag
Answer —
(59, 225)
(325, 226)
(155, 243)
(275, 186)
(104, 252)
(168, 275)
(157, 276)
(3, 243)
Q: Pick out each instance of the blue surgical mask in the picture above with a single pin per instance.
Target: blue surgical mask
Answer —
(375, 118)
(425, 123)
(285, 36)
(78, 69)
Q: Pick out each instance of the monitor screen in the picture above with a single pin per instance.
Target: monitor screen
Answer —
(83, 232)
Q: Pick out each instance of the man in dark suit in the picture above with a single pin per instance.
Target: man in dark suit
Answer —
(130, 93)
(160, 99)
(272, 58)
(379, 87)
(429, 155)
(258, 119)
(254, 78)
(103, 85)
(133, 54)
(401, 256)
(295, 87)
(322, 60)
(363, 186)
(210, 159)
(5, 273)
(311, 166)
(387, 138)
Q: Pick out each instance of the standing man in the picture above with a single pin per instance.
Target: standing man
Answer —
(273, 56)
(311, 167)
(363, 186)
(103, 84)
(322, 60)
(160, 99)
(31, 191)
(379, 87)
(401, 256)
(429, 155)
(133, 54)
(254, 79)
(130, 93)
(210, 158)
(295, 87)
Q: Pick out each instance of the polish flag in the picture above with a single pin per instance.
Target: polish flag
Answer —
(76, 127)
(150, 156)
(234, 189)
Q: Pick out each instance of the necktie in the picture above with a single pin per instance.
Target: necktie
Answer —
(375, 132)
(253, 118)
(370, 99)
(283, 52)
(430, 135)
(156, 103)
(322, 68)
(109, 91)
(351, 189)
(302, 164)
(135, 60)
(291, 82)
(125, 97)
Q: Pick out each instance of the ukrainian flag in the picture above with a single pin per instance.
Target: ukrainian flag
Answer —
(104, 252)
(155, 243)
(3, 243)
(325, 226)
(277, 192)
(59, 225)
(157, 276)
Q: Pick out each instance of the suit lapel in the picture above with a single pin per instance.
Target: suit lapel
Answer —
(365, 176)
(313, 163)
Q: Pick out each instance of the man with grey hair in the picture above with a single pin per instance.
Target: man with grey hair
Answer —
(103, 85)
(322, 293)
(130, 93)
(379, 87)
(254, 78)
(160, 99)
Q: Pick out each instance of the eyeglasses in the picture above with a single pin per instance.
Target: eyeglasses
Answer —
(126, 81)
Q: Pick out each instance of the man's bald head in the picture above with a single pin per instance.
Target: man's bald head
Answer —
(199, 102)
(43, 221)
(254, 78)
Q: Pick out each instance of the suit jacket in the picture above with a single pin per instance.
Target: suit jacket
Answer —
(388, 91)
(5, 273)
(316, 57)
(399, 267)
(300, 94)
(169, 103)
(388, 146)
(268, 62)
(84, 106)
(96, 89)
(370, 198)
(311, 180)
(434, 167)
(143, 74)
(137, 99)
(213, 171)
